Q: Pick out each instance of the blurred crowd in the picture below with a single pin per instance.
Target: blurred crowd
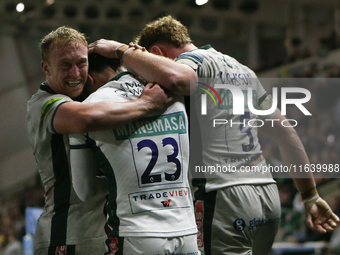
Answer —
(12, 217)
(295, 49)
(298, 51)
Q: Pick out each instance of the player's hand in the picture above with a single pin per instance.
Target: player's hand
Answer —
(104, 47)
(320, 216)
(155, 98)
(137, 46)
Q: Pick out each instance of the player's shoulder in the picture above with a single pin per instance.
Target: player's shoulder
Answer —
(45, 98)
(124, 85)
(197, 55)
(46, 93)
(41, 110)
(123, 76)
(242, 68)
(125, 81)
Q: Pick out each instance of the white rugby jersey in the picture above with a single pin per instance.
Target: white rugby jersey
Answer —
(146, 165)
(66, 220)
(231, 145)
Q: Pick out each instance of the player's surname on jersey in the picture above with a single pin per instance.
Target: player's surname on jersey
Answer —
(166, 124)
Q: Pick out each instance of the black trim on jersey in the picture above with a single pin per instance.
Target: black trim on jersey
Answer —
(261, 99)
(206, 47)
(118, 76)
(200, 184)
(81, 146)
(62, 191)
(71, 249)
(209, 200)
(113, 220)
(55, 112)
(47, 88)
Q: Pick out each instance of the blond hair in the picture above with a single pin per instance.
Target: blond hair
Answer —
(164, 30)
(63, 35)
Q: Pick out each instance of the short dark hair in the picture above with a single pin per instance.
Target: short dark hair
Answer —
(97, 63)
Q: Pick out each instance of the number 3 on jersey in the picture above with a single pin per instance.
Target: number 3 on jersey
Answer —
(157, 164)
(246, 130)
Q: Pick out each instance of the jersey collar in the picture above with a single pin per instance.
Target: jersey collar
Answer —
(205, 47)
(120, 75)
(45, 87)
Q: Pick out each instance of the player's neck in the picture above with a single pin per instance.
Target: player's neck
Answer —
(189, 47)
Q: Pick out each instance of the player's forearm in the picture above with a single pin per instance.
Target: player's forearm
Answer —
(153, 68)
(293, 154)
(113, 114)
(292, 151)
(75, 117)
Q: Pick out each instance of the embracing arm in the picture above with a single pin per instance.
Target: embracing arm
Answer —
(152, 68)
(75, 117)
(165, 71)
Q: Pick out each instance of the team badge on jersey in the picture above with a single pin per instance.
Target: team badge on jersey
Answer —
(166, 203)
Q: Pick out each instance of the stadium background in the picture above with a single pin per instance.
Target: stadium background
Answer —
(276, 38)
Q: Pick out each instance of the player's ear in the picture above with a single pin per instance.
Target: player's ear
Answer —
(156, 50)
(45, 68)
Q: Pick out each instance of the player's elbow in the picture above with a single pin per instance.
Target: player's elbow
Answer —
(182, 82)
(75, 118)
(179, 88)
(89, 123)
(84, 122)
